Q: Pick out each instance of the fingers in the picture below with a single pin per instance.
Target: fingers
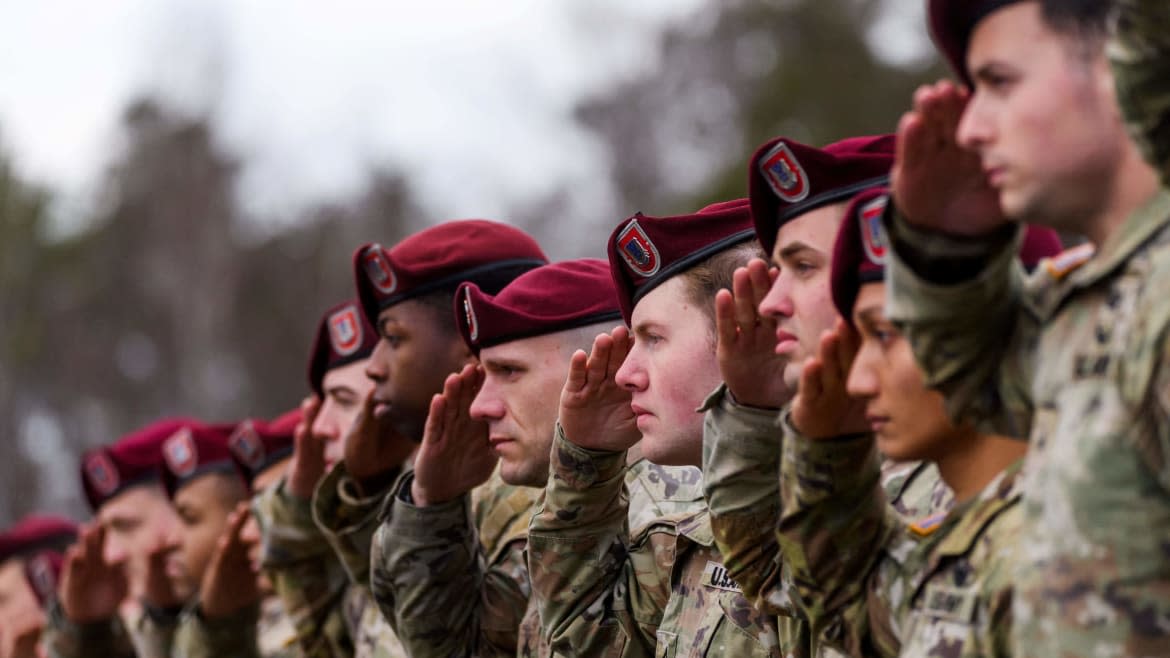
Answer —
(726, 329)
(236, 521)
(810, 386)
(761, 277)
(597, 367)
(434, 426)
(623, 342)
(746, 315)
(847, 343)
(575, 381)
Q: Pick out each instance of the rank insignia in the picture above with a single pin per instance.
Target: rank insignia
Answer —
(469, 316)
(179, 451)
(1064, 263)
(638, 251)
(345, 332)
(927, 526)
(101, 473)
(378, 270)
(872, 235)
(245, 444)
(784, 174)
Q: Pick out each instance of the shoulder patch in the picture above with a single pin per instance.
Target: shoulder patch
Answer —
(784, 174)
(179, 453)
(101, 473)
(715, 575)
(1067, 261)
(378, 270)
(246, 445)
(873, 237)
(927, 526)
(638, 251)
(345, 331)
(469, 316)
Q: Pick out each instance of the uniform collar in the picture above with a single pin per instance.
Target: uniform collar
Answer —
(1138, 229)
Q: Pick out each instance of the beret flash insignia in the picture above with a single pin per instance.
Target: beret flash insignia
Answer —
(784, 174)
(873, 237)
(245, 444)
(378, 270)
(101, 473)
(638, 251)
(179, 452)
(345, 332)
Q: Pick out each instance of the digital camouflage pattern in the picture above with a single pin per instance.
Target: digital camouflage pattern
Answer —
(603, 591)
(1076, 359)
(65, 639)
(741, 469)
(871, 584)
(236, 635)
(1140, 54)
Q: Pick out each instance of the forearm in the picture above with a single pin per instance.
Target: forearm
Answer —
(1140, 54)
(741, 457)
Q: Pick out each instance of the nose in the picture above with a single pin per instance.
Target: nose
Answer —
(376, 368)
(632, 374)
(325, 425)
(487, 405)
(863, 380)
(778, 302)
(974, 129)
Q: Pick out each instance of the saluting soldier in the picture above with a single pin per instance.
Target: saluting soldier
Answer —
(426, 557)
(115, 597)
(30, 566)
(1138, 53)
(1075, 358)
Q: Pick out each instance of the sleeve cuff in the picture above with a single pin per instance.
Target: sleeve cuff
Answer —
(582, 468)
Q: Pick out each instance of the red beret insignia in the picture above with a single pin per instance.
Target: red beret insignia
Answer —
(179, 452)
(345, 331)
(638, 251)
(42, 577)
(101, 473)
(784, 174)
(246, 445)
(469, 314)
(873, 238)
(378, 270)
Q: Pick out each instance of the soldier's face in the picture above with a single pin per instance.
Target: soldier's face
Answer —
(909, 420)
(418, 348)
(345, 390)
(1043, 118)
(800, 299)
(203, 505)
(19, 607)
(669, 371)
(519, 401)
(138, 522)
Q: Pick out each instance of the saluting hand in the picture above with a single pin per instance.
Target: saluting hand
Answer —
(595, 410)
(160, 589)
(752, 370)
(307, 465)
(91, 589)
(230, 583)
(455, 455)
(373, 448)
(938, 184)
(822, 408)
(20, 633)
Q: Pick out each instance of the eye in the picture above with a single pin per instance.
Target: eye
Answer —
(392, 338)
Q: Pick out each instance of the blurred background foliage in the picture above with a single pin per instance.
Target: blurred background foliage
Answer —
(165, 303)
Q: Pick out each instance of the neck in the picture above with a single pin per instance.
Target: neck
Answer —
(634, 454)
(1133, 186)
(975, 461)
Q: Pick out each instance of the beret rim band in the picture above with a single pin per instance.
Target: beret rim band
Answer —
(173, 483)
(824, 199)
(686, 263)
(457, 277)
(583, 321)
(147, 478)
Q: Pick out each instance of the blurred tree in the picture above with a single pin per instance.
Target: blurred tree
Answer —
(735, 74)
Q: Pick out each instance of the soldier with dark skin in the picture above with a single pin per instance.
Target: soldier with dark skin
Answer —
(30, 565)
(505, 410)
(1073, 358)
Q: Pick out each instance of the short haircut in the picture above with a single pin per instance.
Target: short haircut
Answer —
(1084, 21)
(716, 273)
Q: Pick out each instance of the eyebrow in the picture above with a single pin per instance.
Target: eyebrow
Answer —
(871, 314)
(794, 248)
(503, 363)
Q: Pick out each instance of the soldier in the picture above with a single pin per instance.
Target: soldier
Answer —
(30, 564)
(601, 590)
(333, 618)
(524, 338)
(1138, 54)
(115, 597)
(941, 585)
(1075, 358)
(407, 293)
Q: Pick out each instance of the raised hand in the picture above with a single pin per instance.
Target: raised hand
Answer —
(307, 465)
(160, 589)
(373, 448)
(752, 370)
(938, 184)
(20, 633)
(230, 583)
(455, 456)
(595, 411)
(822, 408)
(90, 589)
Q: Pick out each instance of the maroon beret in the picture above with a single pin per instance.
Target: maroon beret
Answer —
(344, 335)
(787, 179)
(36, 533)
(545, 300)
(130, 461)
(194, 450)
(442, 257)
(859, 254)
(951, 25)
(645, 251)
(258, 444)
(42, 570)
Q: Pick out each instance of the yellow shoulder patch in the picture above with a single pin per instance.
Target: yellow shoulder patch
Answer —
(1062, 264)
(927, 526)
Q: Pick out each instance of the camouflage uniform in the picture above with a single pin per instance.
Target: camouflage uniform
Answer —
(872, 585)
(1140, 54)
(741, 462)
(235, 635)
(101, 639)
(1076, 359)
(602, 591)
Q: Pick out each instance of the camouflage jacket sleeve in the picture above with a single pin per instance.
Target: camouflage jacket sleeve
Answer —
(231, 637)
(834, 519)
(304, 572)
(101, 639)
(348, 520)
(963, 332)
(599, 592)
(153, 633)
(741, 457)
(444, 592)
(1140, 54)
